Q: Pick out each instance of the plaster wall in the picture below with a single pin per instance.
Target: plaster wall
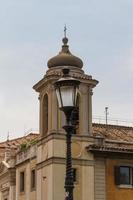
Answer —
(45, 183)
(115, 192)
(28, 194)
(51, 168)
(84, 186)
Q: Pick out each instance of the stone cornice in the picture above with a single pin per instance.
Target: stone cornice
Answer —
(62, 136)
(54, 75)
(58, 160)
(106, 149)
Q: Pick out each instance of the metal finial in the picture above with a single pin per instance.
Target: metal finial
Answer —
(65, 29)
(65, 39)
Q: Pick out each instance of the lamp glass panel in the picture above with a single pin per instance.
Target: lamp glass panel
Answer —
(67, 95)
(58, 97)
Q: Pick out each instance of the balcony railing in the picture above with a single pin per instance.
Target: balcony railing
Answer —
(26, 154)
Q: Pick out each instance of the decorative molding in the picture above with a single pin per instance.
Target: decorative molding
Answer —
(61, 136)
(76, 149)
(57, 160)
(91, 91)
(54, 75)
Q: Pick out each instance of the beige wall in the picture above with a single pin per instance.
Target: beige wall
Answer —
(28, 194)
(51, 168)
(45, 183)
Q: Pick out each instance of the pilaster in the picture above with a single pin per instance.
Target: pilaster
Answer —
(90, 93)
(84, 109)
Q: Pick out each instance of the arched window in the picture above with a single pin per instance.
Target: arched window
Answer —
(45, 114)
(75, 116)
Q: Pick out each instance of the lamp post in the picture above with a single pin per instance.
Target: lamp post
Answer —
(66, 91)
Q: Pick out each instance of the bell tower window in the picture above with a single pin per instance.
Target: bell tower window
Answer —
(45, 114)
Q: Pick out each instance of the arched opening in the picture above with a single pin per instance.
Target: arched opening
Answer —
(45, 114)
(75, 116)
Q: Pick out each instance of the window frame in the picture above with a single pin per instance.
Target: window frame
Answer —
(33, 186)
(117, 176)
(75, 175)
(129, 174)
(22, 190)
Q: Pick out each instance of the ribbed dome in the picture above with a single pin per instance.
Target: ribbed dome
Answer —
(65, 58)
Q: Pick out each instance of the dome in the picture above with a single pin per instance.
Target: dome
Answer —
(65, 58)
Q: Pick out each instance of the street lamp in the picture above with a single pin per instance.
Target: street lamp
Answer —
(66, 91)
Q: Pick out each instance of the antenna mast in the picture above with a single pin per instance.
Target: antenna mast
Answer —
(106, 114)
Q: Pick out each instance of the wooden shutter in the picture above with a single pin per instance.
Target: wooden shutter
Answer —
(117, 175)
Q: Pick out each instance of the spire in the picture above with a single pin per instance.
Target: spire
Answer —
(65, 47)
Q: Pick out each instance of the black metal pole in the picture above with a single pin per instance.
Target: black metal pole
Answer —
(69, 183)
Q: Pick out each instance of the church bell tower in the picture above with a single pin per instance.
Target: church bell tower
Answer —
(51, 148)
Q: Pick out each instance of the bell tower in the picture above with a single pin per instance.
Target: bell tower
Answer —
(51, 148)
(51, 119)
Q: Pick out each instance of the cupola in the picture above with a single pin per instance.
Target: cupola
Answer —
(65, 57)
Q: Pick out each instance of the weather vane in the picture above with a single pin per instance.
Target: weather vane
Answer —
(65, 29)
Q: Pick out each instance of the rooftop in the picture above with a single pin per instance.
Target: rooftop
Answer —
(15, 143)
(114, 132)
(115, 137)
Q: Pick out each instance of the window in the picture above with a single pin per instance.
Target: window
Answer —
(22, 177)
(123, 175)
(33, 179)
(45, 114)
(74, 171)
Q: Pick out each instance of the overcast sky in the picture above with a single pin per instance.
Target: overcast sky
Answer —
(100, 32)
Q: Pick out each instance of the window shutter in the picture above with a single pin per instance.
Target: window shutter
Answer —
(132, 176)
(117, 175)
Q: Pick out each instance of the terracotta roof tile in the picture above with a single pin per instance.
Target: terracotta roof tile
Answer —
(14, 143)
(116, 138)
(113, 132)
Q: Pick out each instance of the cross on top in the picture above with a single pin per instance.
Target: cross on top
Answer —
(65, 29)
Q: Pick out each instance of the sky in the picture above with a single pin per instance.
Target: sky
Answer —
(99, 32)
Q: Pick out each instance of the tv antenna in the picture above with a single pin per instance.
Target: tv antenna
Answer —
(106, 114)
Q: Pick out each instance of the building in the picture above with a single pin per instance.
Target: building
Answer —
(10, 153)
(113, 150)
(102, 154)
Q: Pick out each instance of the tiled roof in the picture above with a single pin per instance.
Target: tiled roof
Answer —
(14, 143)
(115, 138)
(114, 132)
